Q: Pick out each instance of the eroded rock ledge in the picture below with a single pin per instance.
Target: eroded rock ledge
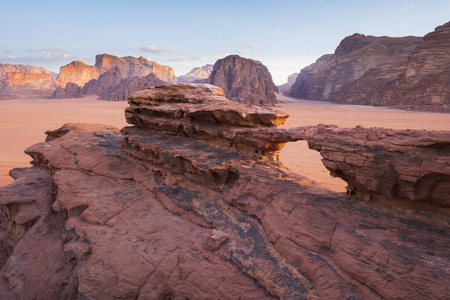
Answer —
(160, 211)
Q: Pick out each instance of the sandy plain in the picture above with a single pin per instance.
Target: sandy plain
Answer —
(24, 122)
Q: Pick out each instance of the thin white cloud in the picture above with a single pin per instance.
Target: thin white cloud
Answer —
(276, 31)
(210, 58)
(11, 56)
(158, 50)
(47, 50)
(248, 49)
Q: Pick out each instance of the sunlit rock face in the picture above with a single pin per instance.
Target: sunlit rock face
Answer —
(77, 72)
(8, 68)
(24, 84)
(407, 72)
(244, 80)
(191, 202)
(131, 66)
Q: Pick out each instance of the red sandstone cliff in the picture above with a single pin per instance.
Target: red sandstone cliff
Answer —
(407, 72)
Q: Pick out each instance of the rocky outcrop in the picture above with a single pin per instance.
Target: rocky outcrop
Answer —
(77, 72)
(24, 85)
(286, 88)
(192, 203)
(385, 163)
(127, 86)
(196, 74)
(8, 68)
(244, 80)
(104, 83)
(407, 72)
(70, 91)
(131, 66)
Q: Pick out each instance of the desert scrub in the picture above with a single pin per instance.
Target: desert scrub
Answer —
(76, 160)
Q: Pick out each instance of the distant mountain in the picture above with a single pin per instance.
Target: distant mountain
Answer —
(26, 85)
(111, 85)
(286, 88)
(196, 74)
(244, 80)
(406, 72)
(77, 72)
(131, 66)
(6, 68)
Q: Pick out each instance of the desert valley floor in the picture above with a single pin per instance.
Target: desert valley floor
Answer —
(24, 122)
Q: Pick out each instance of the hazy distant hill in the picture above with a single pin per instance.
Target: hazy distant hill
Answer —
(196, 74)
(407, 72)
(286, 88)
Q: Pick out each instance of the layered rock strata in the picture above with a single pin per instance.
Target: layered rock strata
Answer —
(244, 80)
(170, 209)
(406, 72)
(404, 164)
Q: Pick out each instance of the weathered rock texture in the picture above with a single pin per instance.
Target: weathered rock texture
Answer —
(407, 72)
(179, 207)
(8, 68)
(131, 66)
(244, 80)
(405, 164)
(23, 84)
(286, 88)
(196, 74)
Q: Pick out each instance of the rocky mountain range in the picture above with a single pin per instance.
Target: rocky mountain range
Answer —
(196, 74)
(191, 201)
(244, 80)
(407, 72)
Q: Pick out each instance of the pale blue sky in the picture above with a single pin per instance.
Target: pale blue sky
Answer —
(285, 35)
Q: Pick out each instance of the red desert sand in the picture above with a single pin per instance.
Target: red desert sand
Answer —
(24, 122)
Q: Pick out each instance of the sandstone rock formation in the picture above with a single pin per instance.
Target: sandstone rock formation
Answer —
(244, 80)
(286, 88)
(196, 74)
(8, 68)
(407, 72)
(378, 162)
(131, 66)
(23, 84)
(192, 203)
(77, 72)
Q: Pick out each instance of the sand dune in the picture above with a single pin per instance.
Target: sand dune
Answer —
(24, 122)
